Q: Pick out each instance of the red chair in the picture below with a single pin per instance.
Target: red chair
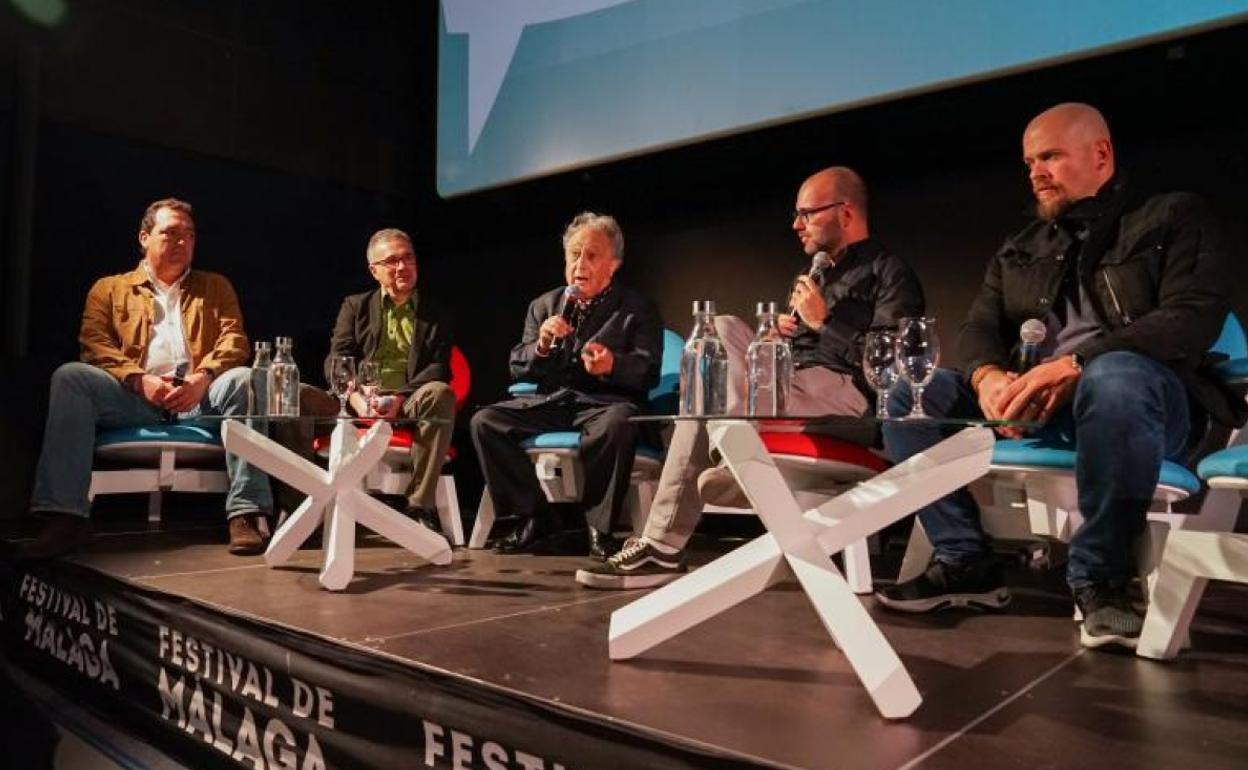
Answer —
(819, 467)
(394, 472)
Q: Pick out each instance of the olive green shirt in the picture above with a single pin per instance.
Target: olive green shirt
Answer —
(395, 343)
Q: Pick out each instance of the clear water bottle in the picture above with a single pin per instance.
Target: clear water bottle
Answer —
(284, 381)
(704, 366)
(258, 392)
(769, 366)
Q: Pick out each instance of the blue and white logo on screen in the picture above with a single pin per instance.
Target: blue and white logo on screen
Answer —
(533, 87)
(493, 28)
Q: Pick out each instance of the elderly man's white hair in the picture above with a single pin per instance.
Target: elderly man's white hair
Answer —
(603, 223)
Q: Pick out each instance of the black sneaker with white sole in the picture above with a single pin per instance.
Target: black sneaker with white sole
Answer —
(1108, 617)
(978, 584)
(637, 565)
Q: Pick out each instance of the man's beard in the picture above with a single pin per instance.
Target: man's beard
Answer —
(1053, 208)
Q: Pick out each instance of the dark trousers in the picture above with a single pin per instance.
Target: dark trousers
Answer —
(1129, 413)
(608, 442)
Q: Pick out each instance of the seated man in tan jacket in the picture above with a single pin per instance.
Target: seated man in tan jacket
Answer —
(158, 341)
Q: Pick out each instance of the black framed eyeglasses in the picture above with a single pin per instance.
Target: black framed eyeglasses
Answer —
(805, 214)
(393, 263)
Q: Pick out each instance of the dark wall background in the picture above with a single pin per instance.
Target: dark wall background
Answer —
(298, 128)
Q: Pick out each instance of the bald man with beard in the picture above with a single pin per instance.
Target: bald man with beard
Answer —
(1132, 291)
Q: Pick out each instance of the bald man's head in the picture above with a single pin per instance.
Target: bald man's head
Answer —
(1069, 156)
(836, 201)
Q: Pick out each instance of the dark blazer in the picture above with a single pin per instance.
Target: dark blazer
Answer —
(1155, 271)
(626, 322)
(358, 331)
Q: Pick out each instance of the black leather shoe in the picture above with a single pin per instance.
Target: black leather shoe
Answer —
(425, 516)
(522, 539)
(602, 545)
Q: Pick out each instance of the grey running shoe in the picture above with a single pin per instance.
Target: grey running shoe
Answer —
(1108, 617)
(978, 584)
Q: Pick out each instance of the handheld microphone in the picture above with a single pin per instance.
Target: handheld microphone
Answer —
(567, 308)
(1030, 335)
(818, 264)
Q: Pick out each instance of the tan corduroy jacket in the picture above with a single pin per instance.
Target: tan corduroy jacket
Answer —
(117, 323)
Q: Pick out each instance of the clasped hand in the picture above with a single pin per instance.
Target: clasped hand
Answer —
(1030, 397)
(165, 392)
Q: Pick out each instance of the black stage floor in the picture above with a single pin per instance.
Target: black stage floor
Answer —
(761, 683)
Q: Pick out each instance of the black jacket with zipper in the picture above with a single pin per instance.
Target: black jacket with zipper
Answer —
(1155, 272)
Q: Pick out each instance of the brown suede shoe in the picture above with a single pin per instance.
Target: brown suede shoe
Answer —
(245, 538)
(62, 533)
(717, 486)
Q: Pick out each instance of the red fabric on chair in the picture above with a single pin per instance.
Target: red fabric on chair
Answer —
(461, 378)
(400, 438)
(820, 447)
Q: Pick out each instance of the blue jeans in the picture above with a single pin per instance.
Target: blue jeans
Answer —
(85, 398)
(1129, 413)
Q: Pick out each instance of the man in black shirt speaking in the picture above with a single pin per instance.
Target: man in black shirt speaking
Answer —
(863, 287)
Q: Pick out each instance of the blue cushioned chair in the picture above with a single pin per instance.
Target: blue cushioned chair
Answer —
(1037, 477)
(178, 457)
(556, 460)
(1191, 558)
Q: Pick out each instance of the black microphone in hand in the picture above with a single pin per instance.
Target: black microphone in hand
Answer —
(818, 263)
(1030, 338)
(567, 309)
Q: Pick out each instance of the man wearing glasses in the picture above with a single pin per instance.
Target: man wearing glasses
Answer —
(160, 340)
(1131, 291)
(862, 287)
(408, 336)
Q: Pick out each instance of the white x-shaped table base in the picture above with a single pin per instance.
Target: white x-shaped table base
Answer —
(336, 498)
(800, 543)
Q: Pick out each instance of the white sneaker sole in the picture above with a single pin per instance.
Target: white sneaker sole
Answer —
(993, 600)
(625, 582)
(1104, 640)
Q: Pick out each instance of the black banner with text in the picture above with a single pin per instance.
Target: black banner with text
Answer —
(216, 690)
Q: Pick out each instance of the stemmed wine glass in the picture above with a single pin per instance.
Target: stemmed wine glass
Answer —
(918, 353)
(879, 366)
(342, 378)
(369, 379)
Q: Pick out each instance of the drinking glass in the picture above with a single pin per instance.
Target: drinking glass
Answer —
(342, 377)
(879, 365)
(918, 353)
(369, 379)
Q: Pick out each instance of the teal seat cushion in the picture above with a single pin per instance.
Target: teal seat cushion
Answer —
(186, 433)
(567, 439)
(1046, 453)
(1235, 370)
(1228, 462)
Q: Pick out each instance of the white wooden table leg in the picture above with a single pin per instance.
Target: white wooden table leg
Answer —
(702, 594)
(803, 542)
(335, 496)
(842, 613)
(387, 522)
